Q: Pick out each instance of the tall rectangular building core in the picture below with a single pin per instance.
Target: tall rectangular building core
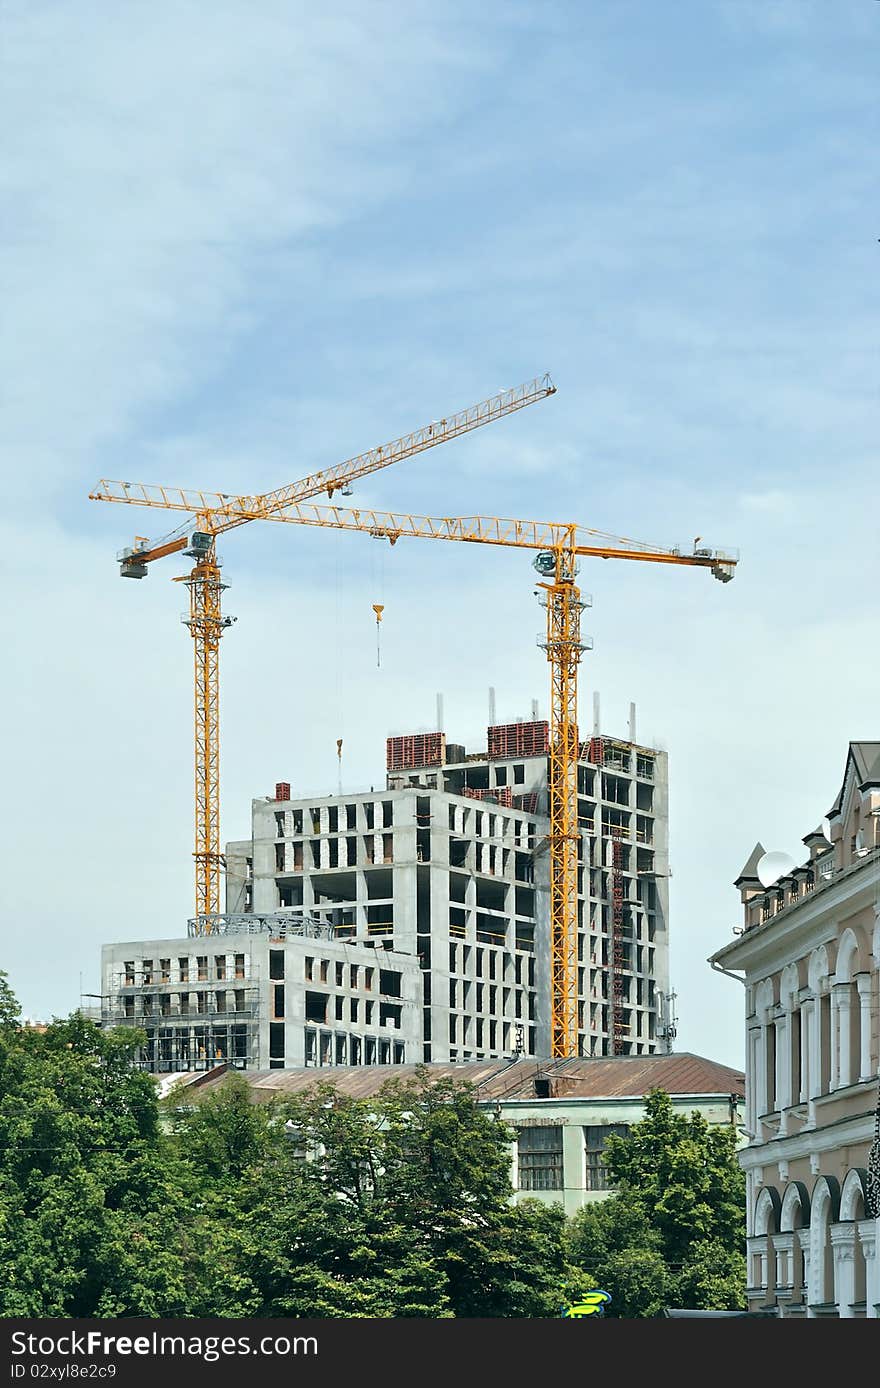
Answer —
(450, 864)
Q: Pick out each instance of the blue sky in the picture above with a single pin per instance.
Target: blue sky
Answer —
(246, 243)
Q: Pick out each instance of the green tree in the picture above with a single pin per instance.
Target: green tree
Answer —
(684, 1173)
(323, 1206)
(400, 1205)
(674, 1232)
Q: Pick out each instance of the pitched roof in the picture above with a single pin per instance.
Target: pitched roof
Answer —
(865, 757)
(617, 1077)
(748, 872)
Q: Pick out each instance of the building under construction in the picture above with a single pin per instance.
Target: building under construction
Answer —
(449, 866)
(264, 992)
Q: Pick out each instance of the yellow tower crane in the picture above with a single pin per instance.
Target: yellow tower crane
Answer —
(212, 514)
(558, 546)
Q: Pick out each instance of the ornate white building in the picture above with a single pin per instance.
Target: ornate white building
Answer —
(808, 953)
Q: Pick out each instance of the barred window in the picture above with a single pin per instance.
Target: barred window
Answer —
(540, 1158)
(596, 1174)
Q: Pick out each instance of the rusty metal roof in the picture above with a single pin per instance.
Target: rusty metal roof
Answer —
(618, 1077)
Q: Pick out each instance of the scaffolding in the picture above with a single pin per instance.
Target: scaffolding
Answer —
(618, 954)
(189, 1024)
(281, 925)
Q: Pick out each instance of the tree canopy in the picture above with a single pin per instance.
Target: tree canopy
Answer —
(112, 1204)
(674, 1232)
(321, 1206)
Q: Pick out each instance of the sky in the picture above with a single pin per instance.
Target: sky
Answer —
(244, 242)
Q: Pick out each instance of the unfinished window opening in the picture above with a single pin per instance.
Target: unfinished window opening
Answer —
(390, 1014)
(316, 1007)
(276, 1040)
(239, 966)
(278, 1000)
(323, 967)
(644, 797)
(585, 780)
(326, 1042)
(384, 1052)
(390, 983)
(311, 1046)
(380, 920)
(276, 963)
(387, 814)
(370, 1050)
(644, 829)
(339, 1008)
(398, 1052)
(341, 1050)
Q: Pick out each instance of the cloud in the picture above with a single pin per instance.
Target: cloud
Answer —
(239, 249)
(153, 160)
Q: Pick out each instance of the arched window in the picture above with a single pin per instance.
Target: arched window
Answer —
(852, 1207)
(767, 1207)
(825, 1204)
(794, 1217)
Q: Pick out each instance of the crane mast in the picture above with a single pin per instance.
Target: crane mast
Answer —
(207, 624)
(563, 646)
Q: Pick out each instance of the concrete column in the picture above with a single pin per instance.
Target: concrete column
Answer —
(834, 1041)
(761, 1100)
(866, 1068)
(753, 1065)
(843, 1238)
(783, 1245)
(783, 1068)
(783, 1060)
(816, 1048)
(869, 1237)
(806, 1040)
(841, 1002)
(803, 1238)
(756, 1276)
